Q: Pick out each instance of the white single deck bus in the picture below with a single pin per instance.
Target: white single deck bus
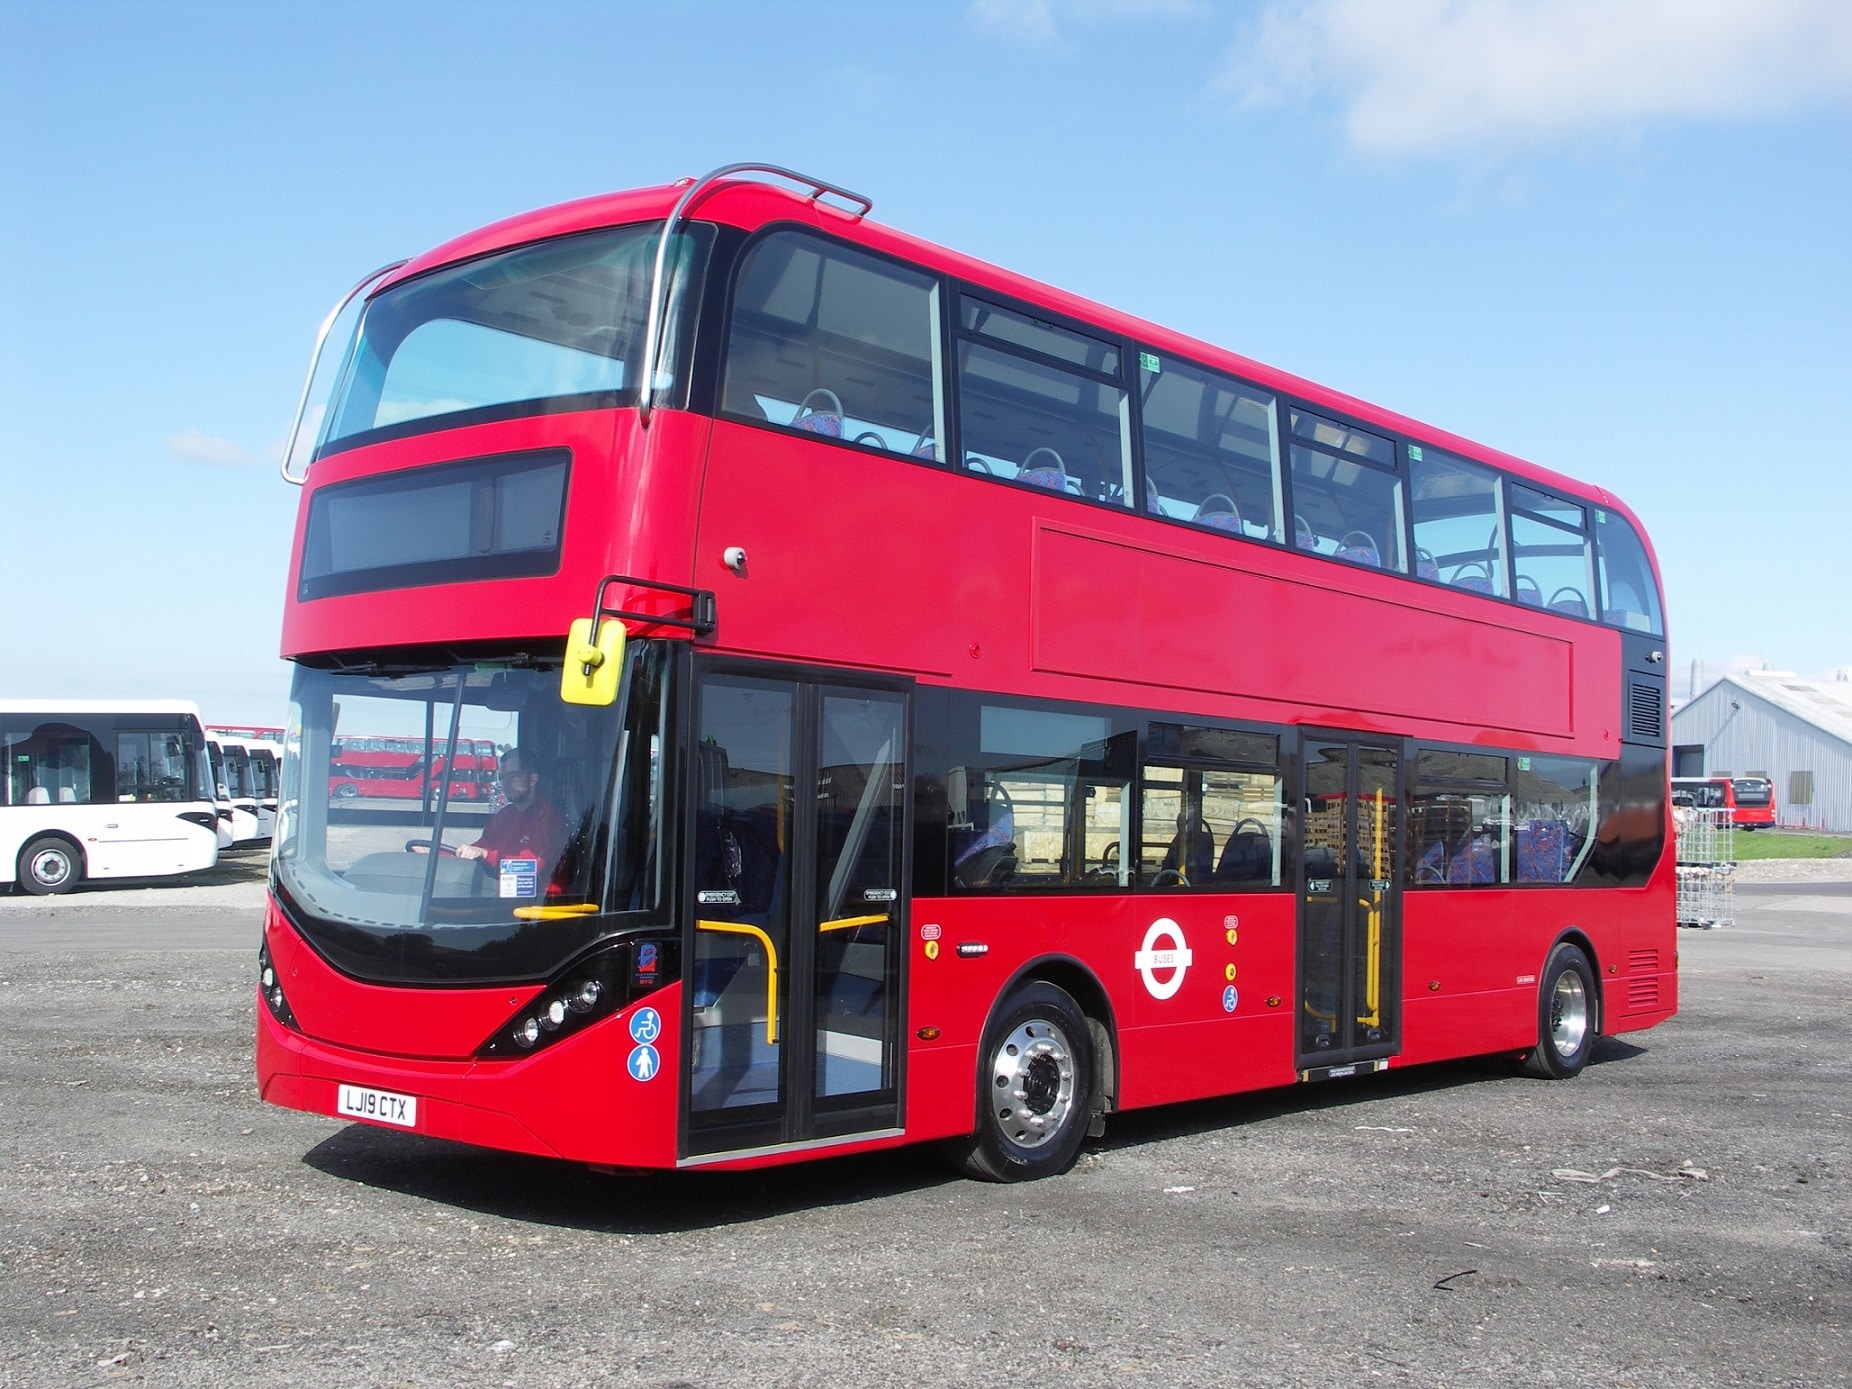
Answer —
(253, 810)
(103, 789)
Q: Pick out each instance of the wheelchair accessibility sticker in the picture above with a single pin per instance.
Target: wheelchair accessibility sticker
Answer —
(645, 1025)
(1165, 952)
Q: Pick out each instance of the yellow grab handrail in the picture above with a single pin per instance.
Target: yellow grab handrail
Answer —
(849, 923)
(743, 928)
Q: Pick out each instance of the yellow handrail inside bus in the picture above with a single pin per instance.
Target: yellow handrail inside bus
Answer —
(742, 928)
(849, 923)
(1373, 958)
(554, 911)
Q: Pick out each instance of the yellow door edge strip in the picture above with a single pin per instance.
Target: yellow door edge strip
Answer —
(742, 928)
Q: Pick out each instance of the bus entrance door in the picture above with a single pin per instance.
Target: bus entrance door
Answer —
(1350, 907)
(800, 807)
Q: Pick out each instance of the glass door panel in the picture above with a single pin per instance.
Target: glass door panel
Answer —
(1322, 915)
(744, 762)
(1349, 904)
(860, 817)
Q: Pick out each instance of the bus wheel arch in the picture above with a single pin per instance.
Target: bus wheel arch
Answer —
(50, 863)
(1047, 1070)
(1569, 1009)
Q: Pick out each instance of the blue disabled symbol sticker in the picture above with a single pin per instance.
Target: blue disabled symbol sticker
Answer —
(1229, 999)
(644, 1063)
(645, 1027)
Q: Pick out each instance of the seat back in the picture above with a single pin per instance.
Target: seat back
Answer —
(1248, 855)
(820, 412)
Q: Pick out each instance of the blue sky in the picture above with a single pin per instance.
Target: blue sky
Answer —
(1611, 236)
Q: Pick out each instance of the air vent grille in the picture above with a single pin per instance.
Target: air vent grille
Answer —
(1643, 994)
(1646, 719)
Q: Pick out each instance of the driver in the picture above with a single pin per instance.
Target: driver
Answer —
(527, 826)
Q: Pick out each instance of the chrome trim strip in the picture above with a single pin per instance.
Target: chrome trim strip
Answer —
(653, 325)
(809, 1145)
(315, 360)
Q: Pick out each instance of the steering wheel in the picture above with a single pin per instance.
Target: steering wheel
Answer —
(423, 846)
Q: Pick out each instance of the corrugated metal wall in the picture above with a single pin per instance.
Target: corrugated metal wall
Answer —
(1743, 733)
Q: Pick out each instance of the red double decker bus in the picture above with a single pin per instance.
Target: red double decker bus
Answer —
(936, 707)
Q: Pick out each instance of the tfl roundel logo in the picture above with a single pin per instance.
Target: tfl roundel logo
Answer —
(1164, 958)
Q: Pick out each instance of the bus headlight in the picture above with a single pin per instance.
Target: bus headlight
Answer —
(594, 988)
(270, 989)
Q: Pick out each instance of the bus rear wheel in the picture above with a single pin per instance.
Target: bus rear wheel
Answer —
(49, 865)
(1034, 1089)
(1566, 1022)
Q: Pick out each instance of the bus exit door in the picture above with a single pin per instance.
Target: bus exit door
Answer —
(1350, 905)
(797, 923)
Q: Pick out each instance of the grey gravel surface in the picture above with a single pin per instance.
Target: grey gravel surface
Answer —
(1680, 1215)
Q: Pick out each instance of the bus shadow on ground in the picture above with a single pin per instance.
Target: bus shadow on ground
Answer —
(1147, 1126)
(547, 1191)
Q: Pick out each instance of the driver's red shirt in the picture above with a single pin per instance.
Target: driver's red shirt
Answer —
(538, 832)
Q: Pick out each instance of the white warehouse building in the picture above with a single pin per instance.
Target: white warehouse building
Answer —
(1771, 723)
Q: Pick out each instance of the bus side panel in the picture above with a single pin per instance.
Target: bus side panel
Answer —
(1460, 983)
(1199, 988)
(1641, 990)
(136, 841)
(1303, 640)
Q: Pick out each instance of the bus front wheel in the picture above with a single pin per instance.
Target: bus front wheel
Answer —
(1565, 1016)
(1034, 1089)
(48, 865)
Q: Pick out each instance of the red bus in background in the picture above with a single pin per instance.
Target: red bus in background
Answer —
(1749, 799)
(407, 769)
(948, 709)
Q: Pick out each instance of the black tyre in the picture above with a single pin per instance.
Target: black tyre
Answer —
(1034, 1089)
(50, 864)
(1567, 1016)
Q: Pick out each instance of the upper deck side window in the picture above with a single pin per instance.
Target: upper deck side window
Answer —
(1629, 596)
(554, 325)
(1042, 404)
(826, 339)
(1459, 523)
(1346, 493)
(1550, 557)
(1211, 449)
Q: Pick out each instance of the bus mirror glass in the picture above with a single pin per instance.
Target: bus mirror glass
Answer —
(591, 672)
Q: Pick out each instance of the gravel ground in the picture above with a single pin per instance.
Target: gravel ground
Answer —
(1680, 1215)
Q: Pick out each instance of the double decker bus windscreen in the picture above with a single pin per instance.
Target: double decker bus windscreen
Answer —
(440, 882)
(553, 326)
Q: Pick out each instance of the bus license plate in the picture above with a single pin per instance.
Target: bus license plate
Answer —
(381, 1106)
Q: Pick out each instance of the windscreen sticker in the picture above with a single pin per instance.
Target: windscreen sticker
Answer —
(520, 877)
